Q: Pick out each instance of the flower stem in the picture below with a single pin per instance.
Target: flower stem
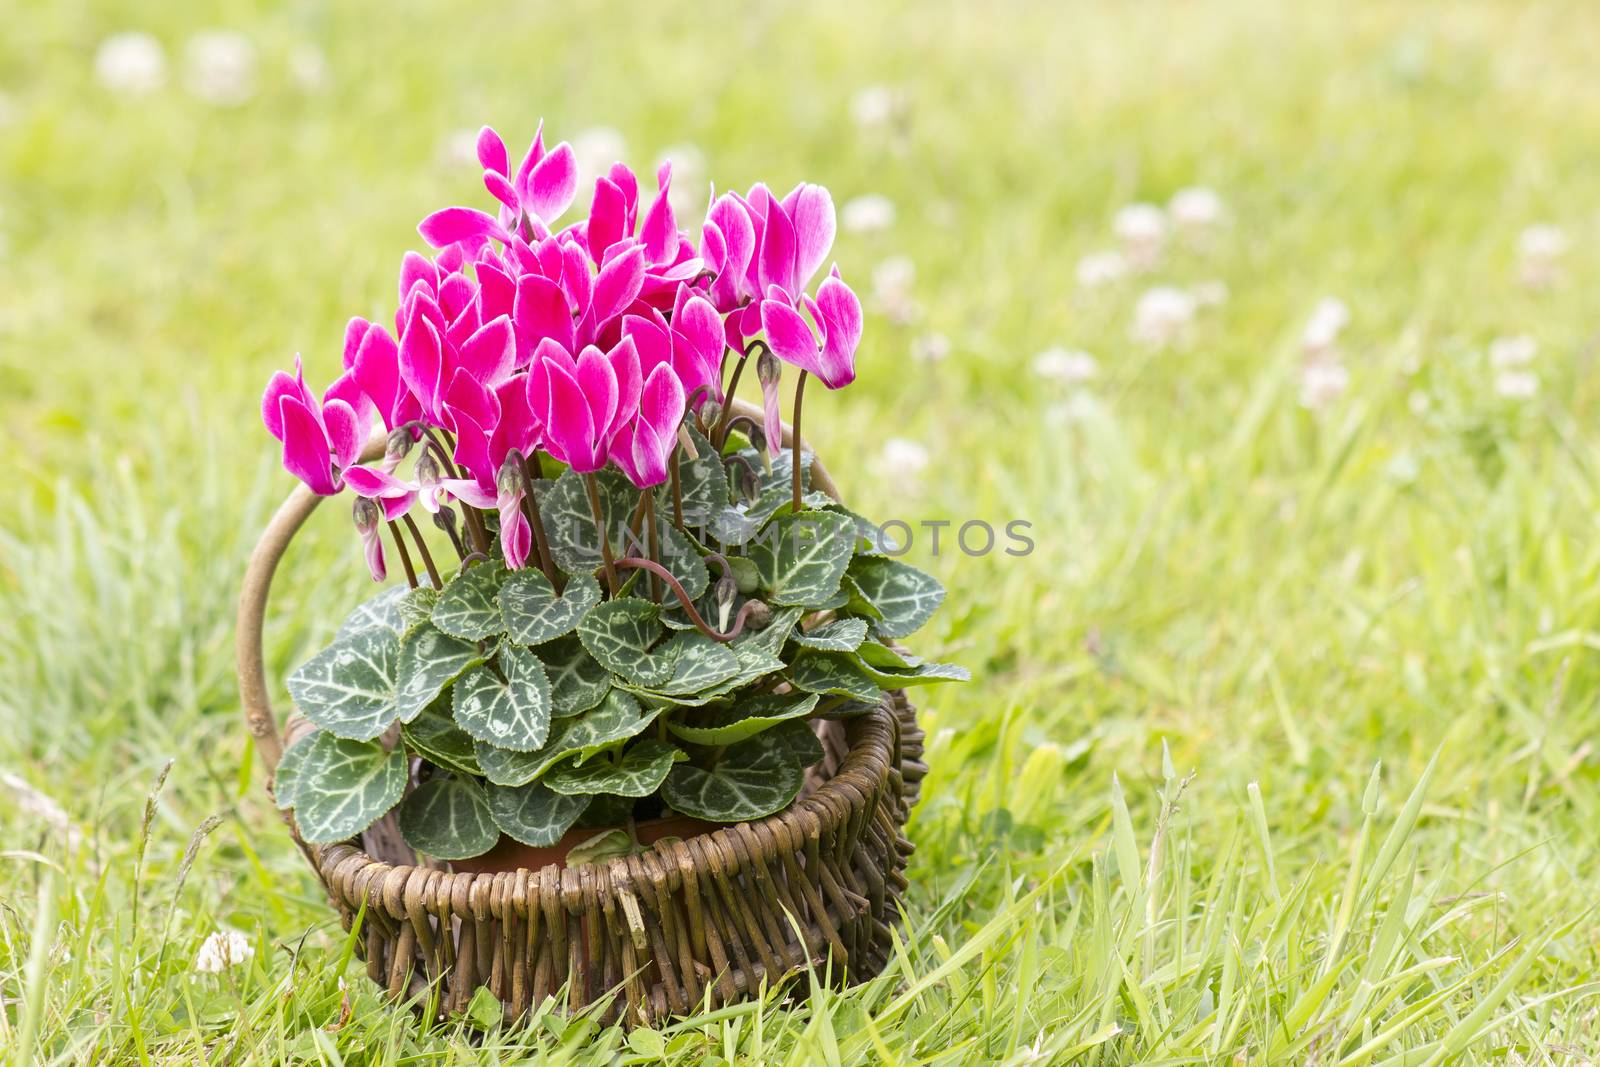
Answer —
(445, 519)
(638, 563)
(652, 539)
(405, 555)
(799, 394)
(677, 493)
(422, 547)
(733, 387)
(541, 544)
(605, 538)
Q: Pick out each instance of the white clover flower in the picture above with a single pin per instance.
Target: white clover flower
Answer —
(1321, 383)
(220, 67)
(902, 459)
(1540, 247)
(1065, 365)
(891, 288)
(932, 347)
(1098, 269)
(1210, 294)
(595, 149)
(223, 949)
(867, 213)
(308, 67)
(1327, 322)
(1162, 315)
(1142, 229)
(131, 63)
(876, 106)
(1195, 208)
(1516, 384)
(1515, 351)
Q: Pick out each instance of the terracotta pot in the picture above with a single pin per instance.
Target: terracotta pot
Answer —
(512, 855)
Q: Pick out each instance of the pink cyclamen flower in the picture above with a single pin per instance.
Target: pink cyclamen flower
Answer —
(836, 313)
(319, 440)
(644, 444)
(543, 186)
(516, 534)
(369, 524)
(584, 401)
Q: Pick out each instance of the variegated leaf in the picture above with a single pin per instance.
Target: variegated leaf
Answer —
(879, 655)
(338, 787)
(836, 635)
(833, 672)
(429, 661)
(415, 607)
(639, 772)
(436, 738)
(534, 814)
(577, 680)
(348, 689)
(618, 718)
(698, 663)
(921, 674)
(774, 635)
(803, 557)
(702, 481)
(620, 633)
(534, 614)
(382, 610)
(905, 596)
(508, 708)
(449, 819)
(749, 780)
(468, 606)
(745, 719)
(569, 520)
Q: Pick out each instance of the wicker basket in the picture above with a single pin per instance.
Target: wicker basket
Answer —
(689, 922)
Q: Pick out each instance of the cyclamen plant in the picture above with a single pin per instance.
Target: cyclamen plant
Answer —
(562, 394)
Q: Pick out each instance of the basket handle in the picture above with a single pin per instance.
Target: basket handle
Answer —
(285, 523)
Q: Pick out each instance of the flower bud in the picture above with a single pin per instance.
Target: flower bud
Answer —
(398, 446)
(508, 482)
(758, 441)
(427, 470)
(367, 515)
(757, 615)
(768, 369)
(710, 414)
(727, 589)
(749, 484)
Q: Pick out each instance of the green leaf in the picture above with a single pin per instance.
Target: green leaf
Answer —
(577, 681)
(679, 556)
(436, 738)
(872, 539)
(569, 522)
(772, 638)
(605, 845)
(729, 726)
(467, 607)
(348, 687)
(512, 712)
(752, 779)
(906, 596)
(534, 614)
(448, 819)
(415, 607)
(639, 772)
(619, 634)
(834, 672)
(382, 611)
(837, 635)
(429, 661)
(698, 663)
(922, 674)
(877, 654)
(484, 1010)
(854, 600)
(534, 814)
(798, 739)
(802, 557)
(338, 787)
(702, 481)
(616, 719)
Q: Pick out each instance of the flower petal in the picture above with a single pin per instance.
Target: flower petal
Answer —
(472, 448)
(377, 370)
(569, 430)
(778, 252)
(376, 483)
(345, 432)
(516, 536)
(452, 225)
(501, 189)
(608, 216)
(660, 231)
(305, 446)
(422, 361)
(492, 153)
(552, 184)
(355, 331)
(662, 401)
(616, 286)
(840, 313)
(490, 354)
(541, 311)
(789, 335)
(468, 491)
(624, 360)
(598, 378)
(525, 169)
(810, 207)
(414, 268)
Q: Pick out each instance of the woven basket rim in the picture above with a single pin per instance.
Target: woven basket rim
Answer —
(872, 752)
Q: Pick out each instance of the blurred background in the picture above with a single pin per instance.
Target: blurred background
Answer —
(1275, 321)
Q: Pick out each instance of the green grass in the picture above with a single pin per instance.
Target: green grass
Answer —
(1224, 583)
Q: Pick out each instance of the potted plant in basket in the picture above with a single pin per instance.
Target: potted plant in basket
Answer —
(639, 608)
